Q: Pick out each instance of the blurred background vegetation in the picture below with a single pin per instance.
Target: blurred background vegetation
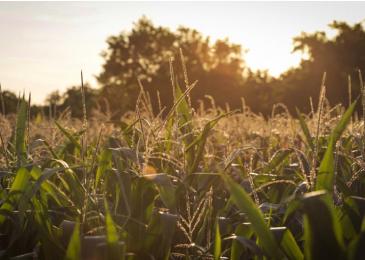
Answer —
(220, 69)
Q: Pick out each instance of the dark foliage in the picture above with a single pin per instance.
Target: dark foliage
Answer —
(145, 53)
(340, 57)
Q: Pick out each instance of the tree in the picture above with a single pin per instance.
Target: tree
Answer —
(10, 102)
(73, 98)
(144, 54)
(339, 57)
(257, 91)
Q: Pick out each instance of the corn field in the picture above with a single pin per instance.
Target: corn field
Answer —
(184, 184)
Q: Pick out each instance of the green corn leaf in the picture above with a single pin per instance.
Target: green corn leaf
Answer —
(344, 121)
(201, 139)
(168, 222)
(104, 165)
(345, 190)
(217, 243)
(322, 231)
(166, 190)
(182, 107)
(113, 248)
(15, 193)
(127, 130)
(159, 234)
(208, 126)
(76, 188)
(21, 134)
(293, 206)
(203, 227)
(356, 249)
(326, 172)
(129, 154)
(259, 226)
(185, 124)
(239, 245)
(227, 162)
(247, 243)
(52, 246)
(69, 136)
(40, 141)
(124, 127)
(29, 195)
(350, 218)
(290, 247)
(305, 130)
(119, 164)
(142, 199)
(36, 173)
(279, 157)
(74, 247)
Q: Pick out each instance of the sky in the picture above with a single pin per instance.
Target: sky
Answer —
(44, 45)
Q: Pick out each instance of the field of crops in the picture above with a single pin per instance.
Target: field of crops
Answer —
(187, 184)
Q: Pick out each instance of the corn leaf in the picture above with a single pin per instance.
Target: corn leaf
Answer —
(104, 165)
(166, 190)
(74, 247)
(21, 134)
(201, 139)
(326, 172)
(113, 248)
(217, 243)
(69, 136)
(279, 157)
(305, 129)
(259, 226)
(15, 193)
(321, 227)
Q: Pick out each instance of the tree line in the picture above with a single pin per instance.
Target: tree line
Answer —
(144, 55)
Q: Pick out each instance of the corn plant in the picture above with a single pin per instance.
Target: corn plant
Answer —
(205, 184)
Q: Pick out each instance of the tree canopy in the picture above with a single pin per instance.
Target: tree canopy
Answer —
(220, 68)
(144, 54)
(339, 57)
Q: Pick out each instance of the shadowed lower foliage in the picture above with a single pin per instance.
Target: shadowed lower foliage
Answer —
(191, 184)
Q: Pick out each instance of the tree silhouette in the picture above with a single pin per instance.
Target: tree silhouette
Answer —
(10, 102)
(340, 57)
(144, 53)
(73, 98)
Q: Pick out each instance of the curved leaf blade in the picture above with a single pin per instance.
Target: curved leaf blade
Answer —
(259, 226)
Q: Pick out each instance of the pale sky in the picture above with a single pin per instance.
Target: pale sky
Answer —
(44, 45)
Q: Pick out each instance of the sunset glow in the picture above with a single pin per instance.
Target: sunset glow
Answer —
(44, 46)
